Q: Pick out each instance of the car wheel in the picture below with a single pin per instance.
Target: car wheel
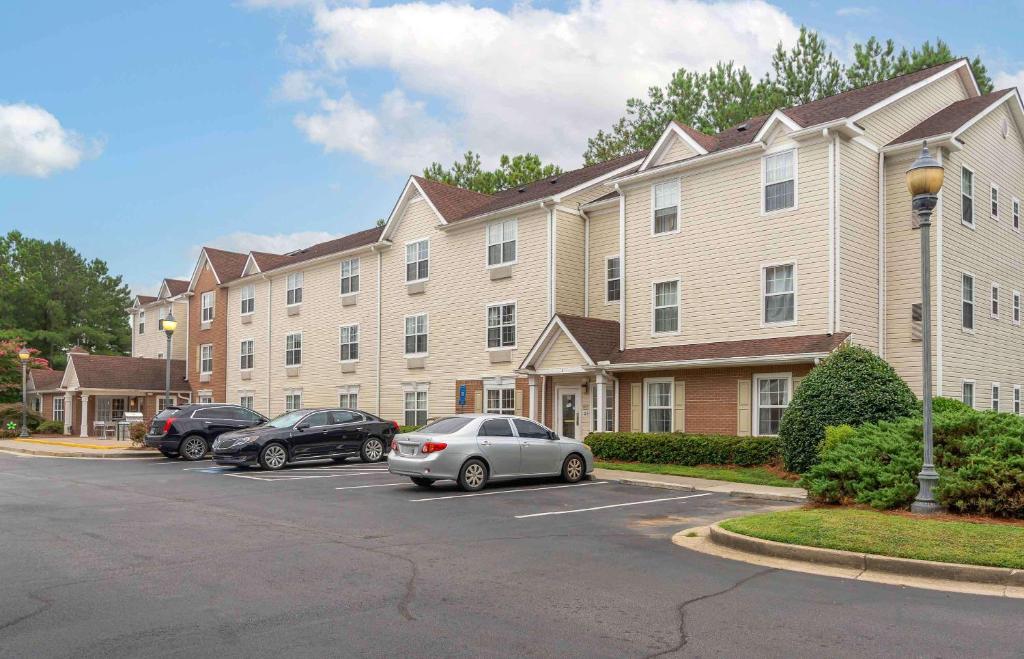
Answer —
(422, 482)
(169, 454)
(573, 469)
(473, 475)
(273, 457)
(372, 450)
(193, 448)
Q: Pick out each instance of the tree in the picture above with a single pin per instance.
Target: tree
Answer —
(10, 368)
(806, 72)
(511, 172)
(874, 61)
(52, 298)
(928, 55)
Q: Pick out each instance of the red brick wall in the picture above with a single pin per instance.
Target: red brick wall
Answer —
(475, 389)
(216, 335)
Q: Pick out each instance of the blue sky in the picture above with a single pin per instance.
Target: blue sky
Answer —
(272, 124)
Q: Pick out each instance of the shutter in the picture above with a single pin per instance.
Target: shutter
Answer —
(478, 401)
(519, 402)
(636, 407)
(743, 411)
(679, 407)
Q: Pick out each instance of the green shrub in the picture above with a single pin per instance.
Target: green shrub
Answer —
(11, 413)
(51, 428)
(851, 386)
(137, 432)
(402, 429)
(684, 449)
(835, 435)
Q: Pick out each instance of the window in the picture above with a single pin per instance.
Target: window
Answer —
(501, 325)
(246, 401)
(206, 359)
(609, 409)
(995, 201)
(1016, 307)
(665, 199)
(501, 242)
(967, 300)
(58, 408)
(530, 430)
(659, 406)
(1016, 214)
(293, 349)
(995, 396)
(292, 401)
(779, 294)
(415, 408)
(495, 428)
(613, 280)
(967, 197)
(37, 404)
(247, 354)
(348, 399)
(294, 295)
(206, 301)
(779, 181)
(416, 334)
(142, 322)
(995, 300)
(350, 343)
(772, 398)
(417, 260)
(248, 299)
(500, 400)
(205, 399)
(344, 416)
(1016, 399)
(967, 393)
(666, 306)
(350, 276)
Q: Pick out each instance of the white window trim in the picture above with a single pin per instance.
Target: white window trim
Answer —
(974, 205)
(487, 327)
(1015, 310)
(293, 392)
(357, 341)
(606, 280)
(994, 397)
(679, 306)
(426, 328)
(416, 387)
(994, 187)
(359, 273)
(499, 387)
(141, 322)
(796, 296)
(1016, 399)
(253, 342)
(755, 398)
(201, 360)
(774, 151)
(679, 206)
(203, 307)
(302, 347)
(974, 304)
(1015, 214)
(243, 298)
(671, 406)
(405, 274)
(994, 297)
(53, 411)
(288, 287)
(351, 390)
(974, 392)
(487, 243)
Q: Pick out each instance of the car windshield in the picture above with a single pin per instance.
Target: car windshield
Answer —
(286, 420)
(445, 426)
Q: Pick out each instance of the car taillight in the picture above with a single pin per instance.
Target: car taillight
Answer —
(434, 447)
(395, 424)
(167, 425)
(394, 445)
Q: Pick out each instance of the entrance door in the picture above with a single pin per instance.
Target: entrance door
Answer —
(567, 417)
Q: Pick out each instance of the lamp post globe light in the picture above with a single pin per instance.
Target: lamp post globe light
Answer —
(23, 356)
(924, 180)
(168, 325)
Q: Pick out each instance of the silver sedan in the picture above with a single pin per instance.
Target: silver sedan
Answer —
(474, 449)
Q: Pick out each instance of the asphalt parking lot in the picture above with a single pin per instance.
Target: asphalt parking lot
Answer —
(122, 558)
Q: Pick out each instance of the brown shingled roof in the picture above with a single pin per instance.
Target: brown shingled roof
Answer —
(176, 286)
(599, 338)
(227, 265)
(708, 142)
(135, 373)
(267, 261)
(145, 299)
(951, 117)
(779, 346)
(45, 379)
(453, 203)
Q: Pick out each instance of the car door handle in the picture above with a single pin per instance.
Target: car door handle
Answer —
(485, 442)
(360, 429)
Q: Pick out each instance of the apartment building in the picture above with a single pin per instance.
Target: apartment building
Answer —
(147, 313)
(688, 287)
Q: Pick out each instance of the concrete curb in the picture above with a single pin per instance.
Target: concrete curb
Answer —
(78, 454)
(721, 489)
(907, 567)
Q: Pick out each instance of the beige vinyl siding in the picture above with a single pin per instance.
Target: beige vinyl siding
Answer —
(720, 248)
(569, 273)
(900, 116)
(992, 252)
(562, 354)
(858, 227)
(257, 331)
(153, 343)
(677, 149)
(604, 242)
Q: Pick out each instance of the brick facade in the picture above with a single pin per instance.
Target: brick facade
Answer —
(475, 392)
(215, 335)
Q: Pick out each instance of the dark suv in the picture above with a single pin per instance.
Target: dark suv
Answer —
(189, 430)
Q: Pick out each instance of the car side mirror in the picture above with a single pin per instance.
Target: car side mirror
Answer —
(302, 426)
(552, 434)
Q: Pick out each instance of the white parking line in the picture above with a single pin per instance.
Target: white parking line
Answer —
(518, 491)
(359, 487)
(614, 505)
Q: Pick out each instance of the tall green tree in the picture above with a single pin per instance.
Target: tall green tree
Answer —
(512, 171)
(874, 61)
(806, 72)
(53, 298)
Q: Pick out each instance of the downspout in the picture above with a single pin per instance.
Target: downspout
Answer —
(622, 267)
(938, 286)
(839, 233)
(380, 262)
(881, 254)
(270, 338)
(831, 317)
(551, 263)
(552, 214)
(586, 263)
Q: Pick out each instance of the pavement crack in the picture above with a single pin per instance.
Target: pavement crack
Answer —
(683, 636)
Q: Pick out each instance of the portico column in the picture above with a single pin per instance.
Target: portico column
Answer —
(85, 416)
(69, 412)
(533, 399)
(601, 402)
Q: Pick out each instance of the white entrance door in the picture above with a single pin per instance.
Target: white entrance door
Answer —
(567, 411)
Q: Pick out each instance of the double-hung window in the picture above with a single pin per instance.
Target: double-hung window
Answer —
(500, 400)
(967, 303)
(501, 242)
(666, 306)
(294, 290)
(967, 197)
(248, 299)
(779, 294)
(665, 198)
(995, 201)
(416, 334)
(771, 395)
(293, 349)
(247, 352)
(780, 181)
(349, 343)
(292, 400)
(1015, 207)
(995, 396)
(659, 405)
(58, 408)
(246, 400)
(206, 301)
(417, 261)
(206, 359)
(349, 276)
(995, 300)
(1016, 307)
(501, 325)
(967, 393)
(416, 407)
(613, 280)
(348, 399)
(1016, 399)
(142, 322)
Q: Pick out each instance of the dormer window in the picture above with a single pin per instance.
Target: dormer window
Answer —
(780, 181)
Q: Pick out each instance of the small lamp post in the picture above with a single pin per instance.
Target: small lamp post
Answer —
(924, 180)
(168, 325)
(24, 356)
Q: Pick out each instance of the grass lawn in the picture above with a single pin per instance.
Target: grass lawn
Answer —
(890, 534)
(751, 475)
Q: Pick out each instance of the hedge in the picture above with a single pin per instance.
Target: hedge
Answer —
(11, 413)
(684, 449)
(51, 428)
(402, 429)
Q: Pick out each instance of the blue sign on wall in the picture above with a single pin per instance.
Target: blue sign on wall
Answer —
(462, 394)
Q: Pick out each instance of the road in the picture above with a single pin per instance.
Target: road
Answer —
(156, 558)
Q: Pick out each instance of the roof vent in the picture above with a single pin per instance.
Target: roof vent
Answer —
(522, 189)
(554, 180)
(741, 127)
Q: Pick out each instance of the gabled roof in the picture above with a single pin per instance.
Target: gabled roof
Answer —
(176, 287)
(141, 300)
(698, 142)
(451, 202)
(44, 379)
(598, 338)
(707, 142)
(134, 373)
(953, 117)
(264, 261)
(226, 265)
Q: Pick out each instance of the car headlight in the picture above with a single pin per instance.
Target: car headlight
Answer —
(233, 442)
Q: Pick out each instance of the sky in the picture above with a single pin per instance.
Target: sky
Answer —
(138, 131)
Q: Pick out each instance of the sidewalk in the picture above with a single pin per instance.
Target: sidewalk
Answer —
(687, 484)
(67, 446)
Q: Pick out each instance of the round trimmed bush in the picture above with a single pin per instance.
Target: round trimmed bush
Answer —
(849, 387)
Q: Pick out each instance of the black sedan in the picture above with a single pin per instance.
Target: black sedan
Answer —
(305, 435)
(189, 430)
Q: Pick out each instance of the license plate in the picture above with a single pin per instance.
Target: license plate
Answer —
(405, 449)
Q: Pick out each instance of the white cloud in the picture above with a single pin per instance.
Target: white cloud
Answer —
(33, 143)
(532, 79)
(300, 86)
(1005, 79)
(277, 243)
